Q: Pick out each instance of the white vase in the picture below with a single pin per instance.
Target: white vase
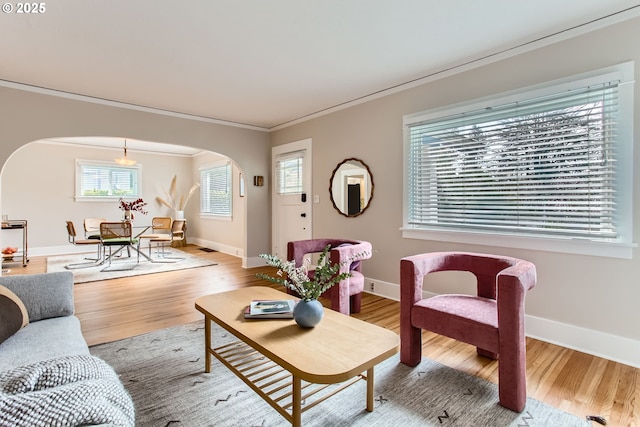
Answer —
(179, 214)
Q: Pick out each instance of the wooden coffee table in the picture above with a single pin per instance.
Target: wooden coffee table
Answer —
(286, 364)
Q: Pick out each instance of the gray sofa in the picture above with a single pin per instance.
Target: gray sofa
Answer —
(52, 346)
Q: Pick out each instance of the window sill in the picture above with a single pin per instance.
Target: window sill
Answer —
(216, 217)
(566, 245)
(109, 199)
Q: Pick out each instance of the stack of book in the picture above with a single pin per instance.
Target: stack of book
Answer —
(270, 309)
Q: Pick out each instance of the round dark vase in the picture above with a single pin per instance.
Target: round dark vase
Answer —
(308, 314)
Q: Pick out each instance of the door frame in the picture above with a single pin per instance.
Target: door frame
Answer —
(302, 145)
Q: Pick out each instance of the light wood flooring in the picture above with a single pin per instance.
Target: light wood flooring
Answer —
(572, 381)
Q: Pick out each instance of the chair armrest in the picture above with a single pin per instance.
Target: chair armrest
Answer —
(45, 295)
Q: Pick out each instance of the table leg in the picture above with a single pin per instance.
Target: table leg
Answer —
(370, 389)
(207, 344)
(296, 413)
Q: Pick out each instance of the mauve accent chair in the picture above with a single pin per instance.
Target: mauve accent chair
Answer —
(493, 321)
(346, 296)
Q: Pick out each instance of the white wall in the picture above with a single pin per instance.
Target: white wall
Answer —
(31, 116)
(584, 302)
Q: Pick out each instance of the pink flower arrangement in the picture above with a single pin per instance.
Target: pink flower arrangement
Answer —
(137, 205)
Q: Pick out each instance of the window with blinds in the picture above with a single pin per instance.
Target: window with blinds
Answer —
(215, 190)
(289, 173)
(103, 180)
(545, 166)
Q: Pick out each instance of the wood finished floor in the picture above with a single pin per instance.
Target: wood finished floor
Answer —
(572, 381)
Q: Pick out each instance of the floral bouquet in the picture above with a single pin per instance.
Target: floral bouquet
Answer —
(137, 205)
(297, 278)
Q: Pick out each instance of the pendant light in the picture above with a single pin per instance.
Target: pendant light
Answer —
(124, 161)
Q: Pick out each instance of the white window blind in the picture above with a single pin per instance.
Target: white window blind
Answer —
(289, 173)
(215, 190)
(96, 180)
(543, 166)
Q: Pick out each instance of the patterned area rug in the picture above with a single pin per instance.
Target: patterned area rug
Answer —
(92, 274)
(164, 372)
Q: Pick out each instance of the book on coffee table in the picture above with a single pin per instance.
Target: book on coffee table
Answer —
(270, 309)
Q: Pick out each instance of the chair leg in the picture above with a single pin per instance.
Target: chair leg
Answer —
(512, 376)
(356, 303)
(486, 353)
(97, 258)
(410, 344)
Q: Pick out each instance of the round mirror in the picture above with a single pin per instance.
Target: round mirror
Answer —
(351, 187)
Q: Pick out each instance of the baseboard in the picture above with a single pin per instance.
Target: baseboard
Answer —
(226, 249)
(612, 347)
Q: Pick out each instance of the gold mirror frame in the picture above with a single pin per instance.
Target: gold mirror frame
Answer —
(351, 175)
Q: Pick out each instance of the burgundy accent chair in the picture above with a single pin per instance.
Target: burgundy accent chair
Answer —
(346, 296)
(493, 321)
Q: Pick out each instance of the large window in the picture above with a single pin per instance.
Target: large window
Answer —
(215, 190)
(97, 180)
(545, 163)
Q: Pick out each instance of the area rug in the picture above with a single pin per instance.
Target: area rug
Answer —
(164, 373)
(92, 274)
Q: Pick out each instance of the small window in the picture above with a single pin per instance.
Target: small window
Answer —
(215, 190)
(106, 181)
(289, 173)
(549, 163)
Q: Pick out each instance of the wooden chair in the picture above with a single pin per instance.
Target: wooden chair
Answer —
(92, 227)
(118, 234)
(72, 236)
(160, 234)
(492, 320)
(179, 233)
(346, 296)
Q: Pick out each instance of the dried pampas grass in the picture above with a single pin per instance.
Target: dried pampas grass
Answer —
(171, 201)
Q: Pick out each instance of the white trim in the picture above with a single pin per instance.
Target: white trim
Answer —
(607, 346)
(624, 72)
(305, 145)
(576, 31)
(119, 104)
(212, 217)
(612, 347)
(548, 244)
(476, 63)
(220, 247)
(622, 248)
(110, 198)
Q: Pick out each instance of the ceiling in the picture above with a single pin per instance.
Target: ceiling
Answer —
(266, 64)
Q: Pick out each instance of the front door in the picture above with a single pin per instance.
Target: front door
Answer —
(291, 165)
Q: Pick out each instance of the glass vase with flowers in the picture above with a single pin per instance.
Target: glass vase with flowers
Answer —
(129, 207)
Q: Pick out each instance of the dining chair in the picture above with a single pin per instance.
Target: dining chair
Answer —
(72, 236)
(118, 234)
(492, 319)
(179, 233)
(160, 234)
(92, 227)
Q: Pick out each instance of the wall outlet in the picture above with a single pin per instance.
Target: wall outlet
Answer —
(371, 286)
